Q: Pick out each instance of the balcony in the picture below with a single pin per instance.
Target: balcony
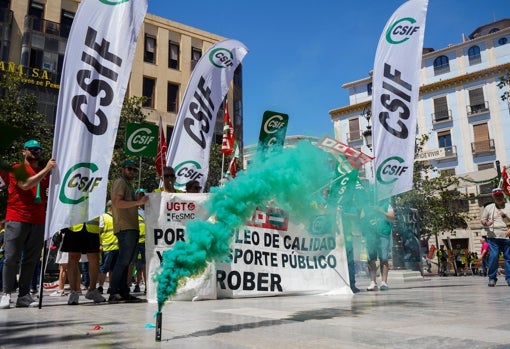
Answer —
(483, 147)
(354, 136)
(449, 152)
(441, 116)
(34, 24)
(477, 109)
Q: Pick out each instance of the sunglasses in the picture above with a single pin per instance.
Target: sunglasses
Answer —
(34, 150)
(131, 169)
(169, 175)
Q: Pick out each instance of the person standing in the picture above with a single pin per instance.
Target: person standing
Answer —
(496, 222)
(484, 255)
(24, 224)
(125, 226)
(378, 222)
(109, 247)
(168, 180)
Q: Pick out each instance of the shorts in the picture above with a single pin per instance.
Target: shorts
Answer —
(108, 259)
(378, 246)
(80, 241)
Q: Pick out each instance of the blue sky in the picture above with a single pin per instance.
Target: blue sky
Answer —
(301, 53)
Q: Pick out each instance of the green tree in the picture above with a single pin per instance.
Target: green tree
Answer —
(505, 81)
(440, 206)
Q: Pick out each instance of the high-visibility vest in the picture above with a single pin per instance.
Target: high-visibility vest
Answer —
(108, 239)
(141, 224)
(92, 226)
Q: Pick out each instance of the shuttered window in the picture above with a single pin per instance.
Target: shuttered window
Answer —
(441, 109)
(354, 132)
(481, 135)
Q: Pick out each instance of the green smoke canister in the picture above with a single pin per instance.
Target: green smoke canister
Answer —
(159, 323)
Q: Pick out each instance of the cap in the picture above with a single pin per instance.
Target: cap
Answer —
(32, 144)
(497, 191)
(140, 190)
(127, 163)
(108, 203)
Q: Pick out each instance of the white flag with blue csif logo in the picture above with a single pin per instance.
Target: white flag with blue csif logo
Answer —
(190, 144)
(97, 65)
(395, 85)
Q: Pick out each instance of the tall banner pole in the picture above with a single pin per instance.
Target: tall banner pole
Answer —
(96, 69)
(396, 84)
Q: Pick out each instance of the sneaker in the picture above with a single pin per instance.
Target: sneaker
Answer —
(115, 298)
(100, 289)
(95, 296)
(136, 289)
(372, 286)
(5, 303)
(492, 283)
(58, 293)
(132, 299)
(74, 298)
(26, 302)
(384, 286)
(109, 291)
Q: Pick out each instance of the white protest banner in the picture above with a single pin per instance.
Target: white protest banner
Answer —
(188, 152)
(97, 65)
(269, 256)
(395, 97)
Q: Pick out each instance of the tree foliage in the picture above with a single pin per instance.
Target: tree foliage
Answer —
(505, 81)
(440, 206)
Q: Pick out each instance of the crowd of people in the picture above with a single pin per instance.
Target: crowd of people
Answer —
(109, 247)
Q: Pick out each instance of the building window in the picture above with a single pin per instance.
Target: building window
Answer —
(493, 30)
(148, 91)
(485, 166)
(354, 131)
(482, 141)
(441, 65)
(172, 94)
(149, 53)
(444, 139)
(474, 55)
(441, 111)
(66, 21)
(36, 58)
(173, 55)
(36, 12)
(477, 103)
(196, 53)
(502, 41)
(369, 88)
(448, 171)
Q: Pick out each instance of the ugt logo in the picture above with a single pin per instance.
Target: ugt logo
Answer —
(78, 183)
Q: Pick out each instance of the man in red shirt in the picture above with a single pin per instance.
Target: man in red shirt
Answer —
(24, 225)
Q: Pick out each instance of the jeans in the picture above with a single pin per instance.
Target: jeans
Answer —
(496, 245)
(128, 241)
(26, 239)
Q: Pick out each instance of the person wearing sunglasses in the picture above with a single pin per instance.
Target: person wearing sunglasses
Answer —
(126, 228)
(168, 180)
(24, 224)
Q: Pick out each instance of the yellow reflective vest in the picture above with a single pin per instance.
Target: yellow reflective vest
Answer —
(108, 239)
(92, 226)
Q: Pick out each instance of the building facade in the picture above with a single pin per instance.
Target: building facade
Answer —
(461, 110)
(34, 38)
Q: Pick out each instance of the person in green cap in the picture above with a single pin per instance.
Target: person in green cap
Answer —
(24, 224)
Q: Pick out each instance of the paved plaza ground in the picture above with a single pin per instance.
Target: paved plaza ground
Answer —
(435, 312)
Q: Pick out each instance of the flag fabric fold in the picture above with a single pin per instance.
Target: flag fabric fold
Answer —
(190, 144)
(395, 88)
(95, 73)
(232, 166)
(505, 183)
(227, 144)
(161, 155)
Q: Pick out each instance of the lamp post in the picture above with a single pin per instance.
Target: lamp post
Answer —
(367, 134)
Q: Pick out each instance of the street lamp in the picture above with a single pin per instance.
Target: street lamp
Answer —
(367, 134)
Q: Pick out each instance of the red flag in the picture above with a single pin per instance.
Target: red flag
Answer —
(505, 182)
(161, 155)
(232, 167)
(227, 145)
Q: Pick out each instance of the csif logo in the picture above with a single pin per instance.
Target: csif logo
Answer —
(221, 58)
(274, 123)
(401, 30)
(187, 171)
(113, 2)
(390, 170)
(78, 183)
(140, 139)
